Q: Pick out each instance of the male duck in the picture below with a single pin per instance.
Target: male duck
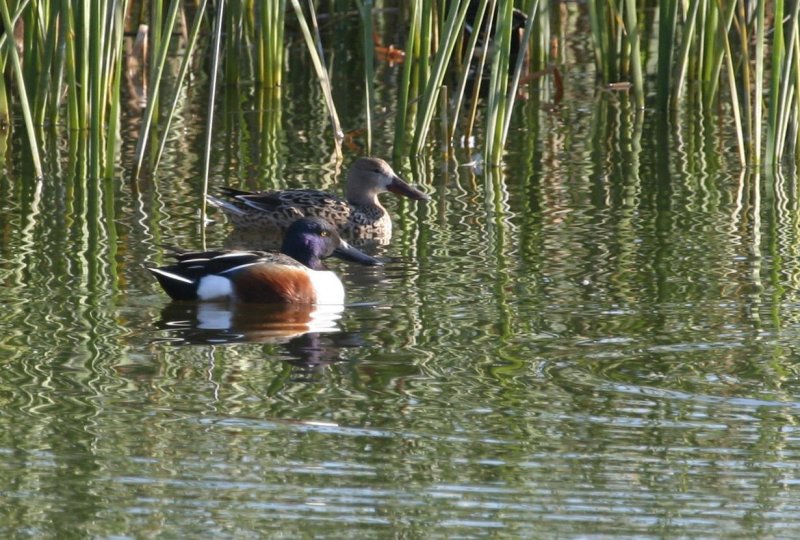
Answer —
(294, 276)
(361, 216)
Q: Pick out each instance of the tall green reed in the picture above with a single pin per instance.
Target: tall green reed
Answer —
(497, 100)
(429, 100)
(23, 94)
(155, 84)
(191, 46)
(517, 73)
(365, 10)
(71, 73)
(494, 26)
(632, 33)
(789, 88)
(269, 36)
(469, 52)
(72, 56)
(719, 51)
(315, 50)
(407, 91)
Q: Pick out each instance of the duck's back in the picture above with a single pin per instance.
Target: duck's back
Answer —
(309, 203)
(278, 209)
(255, 276)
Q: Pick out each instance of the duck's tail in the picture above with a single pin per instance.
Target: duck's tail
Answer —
(225, 206)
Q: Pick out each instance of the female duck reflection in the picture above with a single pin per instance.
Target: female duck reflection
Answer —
(271, 295)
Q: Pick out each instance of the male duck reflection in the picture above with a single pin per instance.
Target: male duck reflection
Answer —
(294, 276)
(359, 217)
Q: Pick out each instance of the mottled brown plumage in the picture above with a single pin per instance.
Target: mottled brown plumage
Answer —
(360, 216)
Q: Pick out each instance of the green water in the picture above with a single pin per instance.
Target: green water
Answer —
(597, 340)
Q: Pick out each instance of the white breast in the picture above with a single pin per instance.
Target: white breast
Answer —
(328, 287)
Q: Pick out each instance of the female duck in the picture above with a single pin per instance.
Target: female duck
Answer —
(294, 276)
(361, 216)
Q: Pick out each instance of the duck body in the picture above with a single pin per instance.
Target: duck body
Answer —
(294, 276)
(360, 215)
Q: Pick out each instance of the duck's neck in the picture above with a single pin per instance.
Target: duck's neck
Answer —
(316, 264)
(303, 255)
(367, 199)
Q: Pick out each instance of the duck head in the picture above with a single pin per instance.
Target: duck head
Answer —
(309, 240)
(369, 176)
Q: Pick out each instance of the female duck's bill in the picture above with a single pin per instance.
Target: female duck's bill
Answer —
(296, 275)
(359, 216)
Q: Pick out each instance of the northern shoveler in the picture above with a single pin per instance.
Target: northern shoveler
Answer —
(360, 216)
(294, 276)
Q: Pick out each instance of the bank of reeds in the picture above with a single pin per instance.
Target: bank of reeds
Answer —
(720, 66)
(708, 55)
(464, 65)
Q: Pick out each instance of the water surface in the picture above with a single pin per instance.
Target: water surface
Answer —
(595, 340)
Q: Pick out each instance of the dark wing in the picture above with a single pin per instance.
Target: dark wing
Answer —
(203, 263)
(180, 280)
(233, 192)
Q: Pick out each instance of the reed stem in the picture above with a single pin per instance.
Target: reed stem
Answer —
(632, 30)
(155, 86)
(23, 95)
(314, 50)
(759, 79)
(365, 8)
(452, 27)
(194, 34)
(212, 98)
(404, 94)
